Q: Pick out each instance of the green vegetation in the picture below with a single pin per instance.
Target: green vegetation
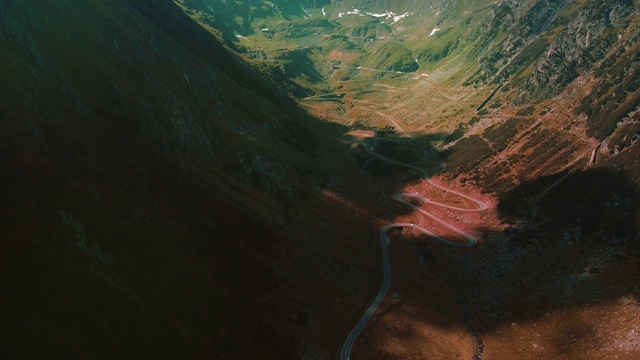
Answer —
(389, 56)
(440, 45)
(364, 27)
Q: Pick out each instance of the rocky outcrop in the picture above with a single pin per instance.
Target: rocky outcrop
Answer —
(579, 48)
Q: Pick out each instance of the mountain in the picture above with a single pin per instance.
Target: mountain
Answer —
(150, 181)
(209, 178)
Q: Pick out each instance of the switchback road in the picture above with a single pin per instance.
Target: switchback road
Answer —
(401, 197)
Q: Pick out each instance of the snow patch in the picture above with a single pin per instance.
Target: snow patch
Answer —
(400, 17)
(387, 15)
(435, 30)
(324, 13)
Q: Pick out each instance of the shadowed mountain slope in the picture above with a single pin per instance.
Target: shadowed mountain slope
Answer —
(144, 173)
(176, 180)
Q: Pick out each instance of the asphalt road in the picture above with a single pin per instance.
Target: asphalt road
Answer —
(384, 239)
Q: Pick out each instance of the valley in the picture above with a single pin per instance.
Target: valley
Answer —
(474, 122)
(241, 179)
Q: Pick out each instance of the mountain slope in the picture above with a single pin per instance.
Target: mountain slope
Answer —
(145, 171)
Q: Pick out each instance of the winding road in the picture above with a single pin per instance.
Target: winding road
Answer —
(402, 197)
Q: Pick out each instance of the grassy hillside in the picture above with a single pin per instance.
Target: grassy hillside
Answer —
(389, 56)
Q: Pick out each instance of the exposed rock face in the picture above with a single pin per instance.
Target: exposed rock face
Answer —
(579, 48)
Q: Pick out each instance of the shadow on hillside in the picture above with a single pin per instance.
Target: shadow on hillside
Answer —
(598, 204)
(405, 152)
